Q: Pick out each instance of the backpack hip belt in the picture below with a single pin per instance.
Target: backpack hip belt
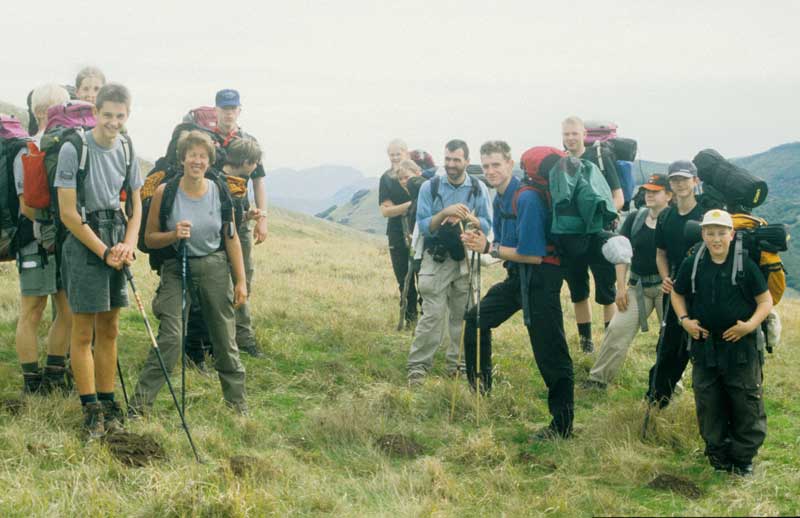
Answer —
(639, 283)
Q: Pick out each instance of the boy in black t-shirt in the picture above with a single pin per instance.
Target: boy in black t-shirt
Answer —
(721, 320)
(671, 249)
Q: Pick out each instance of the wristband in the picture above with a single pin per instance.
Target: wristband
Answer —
(105, 254)
(684, 317)
(487, 247)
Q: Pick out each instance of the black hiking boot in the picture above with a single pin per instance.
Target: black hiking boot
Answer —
(56, 379)
(587, 345)
(93, 425)
(548, 433)
(590, 384)
(31, 382)
(253, 350)
(743, 469)
(485, 379)
(113, 417)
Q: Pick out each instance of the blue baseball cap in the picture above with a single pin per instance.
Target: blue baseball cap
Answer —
(227, 97)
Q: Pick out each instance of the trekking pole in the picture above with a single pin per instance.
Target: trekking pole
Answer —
(659, 345)
(463, 332)
(182, 246)
(478, 371)
(122, 383)
(154, 344)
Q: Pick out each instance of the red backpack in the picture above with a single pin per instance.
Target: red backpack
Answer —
(536, 162)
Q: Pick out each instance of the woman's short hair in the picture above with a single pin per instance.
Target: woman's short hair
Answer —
(190, 139)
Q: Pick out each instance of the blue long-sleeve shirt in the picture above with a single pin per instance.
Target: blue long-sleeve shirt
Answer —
(450, 195)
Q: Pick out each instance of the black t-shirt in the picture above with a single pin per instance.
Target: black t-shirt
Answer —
(644, 247)
(669, 233)
(390, 189)
(609, 168)
(717, 303)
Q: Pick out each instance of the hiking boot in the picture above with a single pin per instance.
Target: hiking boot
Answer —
(253, 350)
(416, 379)
(587, 345)
(743, 470)
(240, 408)
(113, 417)
(135, 413)
(31, 382)
(93, 420)
(590, 384)
(198, 365)
(548, 433)
(56, 379)
(485, 379)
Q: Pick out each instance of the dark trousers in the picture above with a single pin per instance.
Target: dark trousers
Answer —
(400, 255)
(728, 394)
(546, 333)
(672, 356)
(198, 340)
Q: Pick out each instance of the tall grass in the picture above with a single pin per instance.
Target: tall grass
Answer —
(332, 388)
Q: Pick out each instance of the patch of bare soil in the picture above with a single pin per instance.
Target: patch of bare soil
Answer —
(134, 449)
(397, 445)
(677, 485)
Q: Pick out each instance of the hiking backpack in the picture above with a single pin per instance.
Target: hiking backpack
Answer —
(157, 256)
(537, 162)
(15, 232)
(602, 137)
(762, 243)
(204, 119)
(740, 189)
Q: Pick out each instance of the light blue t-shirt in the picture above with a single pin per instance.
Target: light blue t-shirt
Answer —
(107, 171)
(205, 213)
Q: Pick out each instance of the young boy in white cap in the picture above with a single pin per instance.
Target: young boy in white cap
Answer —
(721, 319)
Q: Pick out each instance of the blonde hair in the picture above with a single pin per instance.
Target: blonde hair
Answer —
(89, 72)
(573, 120)
(47, 95)
(398, 143)
(410, 166)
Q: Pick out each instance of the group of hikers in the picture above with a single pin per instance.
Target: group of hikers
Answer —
(79, 207)
(669, 248)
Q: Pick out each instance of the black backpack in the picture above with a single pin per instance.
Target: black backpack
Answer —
(156, 257)
(15, 231)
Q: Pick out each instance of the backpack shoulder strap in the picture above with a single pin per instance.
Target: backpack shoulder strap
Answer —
(697, 257)
(77, 138)
(639, 219)
(599, 149)
(226, 202)
(435, 181)
(168, 201)
(738, 259)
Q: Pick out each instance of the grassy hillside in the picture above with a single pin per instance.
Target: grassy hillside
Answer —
(334, 430)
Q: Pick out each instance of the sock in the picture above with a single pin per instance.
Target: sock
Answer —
(56, 361)
(30, 368)
(105, 396)
(607, 324)
(585, 329)
(88, 398)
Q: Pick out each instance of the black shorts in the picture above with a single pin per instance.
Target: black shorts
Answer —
(604, 273)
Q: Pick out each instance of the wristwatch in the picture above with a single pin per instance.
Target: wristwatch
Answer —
(681, 319)
(494, 251)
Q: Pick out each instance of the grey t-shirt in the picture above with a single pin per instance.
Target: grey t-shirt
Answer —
(19, 180)
(205, 213)
(106, 173)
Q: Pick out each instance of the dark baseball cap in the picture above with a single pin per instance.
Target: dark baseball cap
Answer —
(657, 182)
(227, 97)
(684, 168)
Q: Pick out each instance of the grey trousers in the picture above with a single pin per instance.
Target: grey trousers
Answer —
(444, 288)
(211, 283)
(621, 332)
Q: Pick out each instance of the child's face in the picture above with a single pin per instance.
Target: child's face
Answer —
(403, 176)
(656, 199)
(682, 186)
(717, 238)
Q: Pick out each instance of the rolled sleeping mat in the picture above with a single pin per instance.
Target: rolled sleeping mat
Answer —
(625, 148)
(739, 186)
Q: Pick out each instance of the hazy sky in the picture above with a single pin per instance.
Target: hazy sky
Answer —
(334, 81)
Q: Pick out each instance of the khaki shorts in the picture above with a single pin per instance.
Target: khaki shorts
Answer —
(35, 278)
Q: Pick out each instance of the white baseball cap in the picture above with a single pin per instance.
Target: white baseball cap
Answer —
(717, 217)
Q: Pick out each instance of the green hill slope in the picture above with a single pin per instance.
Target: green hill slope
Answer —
(334, 430)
